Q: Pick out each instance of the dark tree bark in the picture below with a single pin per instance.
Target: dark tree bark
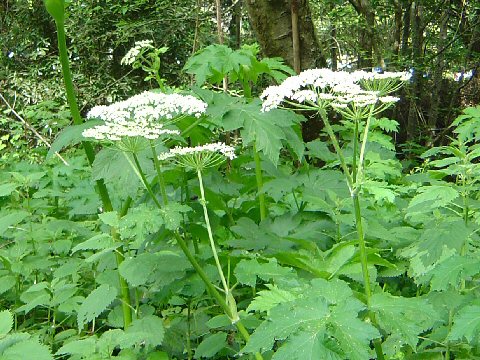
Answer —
(370, 53)
(271, 21)
(438, 73)
(415, 110)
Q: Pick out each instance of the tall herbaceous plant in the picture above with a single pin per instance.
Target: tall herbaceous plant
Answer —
(358, 97)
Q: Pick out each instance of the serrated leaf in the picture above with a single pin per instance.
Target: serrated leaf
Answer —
(431, 197)
(211, 345)
(247, 271)
(83, 347)
(268, 299)
(466, 324)
(96, 242)
(450, 272)
(95, 303)
(71, 135)
(139, 222)
(109, 218)
(264, 129)
(7, 282)
(406, 316)
(31, 346)
(162, 267)
(6, 322)
(435, 244)
(147, 331)
(173, 214)
(331, 322)
(115, 168)
(13, 218)
(308, 347)
(7, 188)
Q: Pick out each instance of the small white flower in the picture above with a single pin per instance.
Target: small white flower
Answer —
(388, 99)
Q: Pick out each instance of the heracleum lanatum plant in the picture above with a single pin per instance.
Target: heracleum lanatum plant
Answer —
(358, 97)
(199, 158)
(143, 116)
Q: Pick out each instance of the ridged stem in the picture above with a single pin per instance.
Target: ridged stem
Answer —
(259, 177)
(90, 153)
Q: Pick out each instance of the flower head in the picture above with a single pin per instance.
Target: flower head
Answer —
(200, 157)
(132, 54)
(149, 106)
(143, 115)
(337, 88)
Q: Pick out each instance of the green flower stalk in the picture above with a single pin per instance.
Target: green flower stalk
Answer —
(56, 8)
(198, 158)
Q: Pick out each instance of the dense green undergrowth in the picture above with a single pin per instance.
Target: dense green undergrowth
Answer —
(262, 256)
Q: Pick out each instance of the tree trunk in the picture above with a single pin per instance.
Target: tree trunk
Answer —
(415, 112)
(438, 73)
(271, 21)
(370, 51)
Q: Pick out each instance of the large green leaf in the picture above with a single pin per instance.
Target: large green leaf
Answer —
(13, 218)
(30, 348)
(408, 317)
(162, 267)
(71, 135)
(466, 324)
(95, 303)
(147, 331)
(6, 322)
(322, 323)
(83, 347)
(431, 197)
(450, 272)
(211, 345)
(264, 129)
(247, 271)
(438, 242)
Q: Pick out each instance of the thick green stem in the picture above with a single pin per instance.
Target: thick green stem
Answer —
(212, 290)
(210, 235)
(364, 144)
(259, 177)
(161, 179)
(362, 248)
(355, 151)
(90, 153)
(338, 150)
(145, 181)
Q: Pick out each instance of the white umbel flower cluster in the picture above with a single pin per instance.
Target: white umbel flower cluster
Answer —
(338, 87)
(149, 106)
(200, 157)
(218, 147)
(142, 115)
(115, 131)
(132, 54)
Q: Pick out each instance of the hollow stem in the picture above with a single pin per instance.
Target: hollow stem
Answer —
(203, 201)
(213, 291)
(259, 177)
(146, 184)
(353, 186)
(338, 150)
(161, 179)
(90, 153)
